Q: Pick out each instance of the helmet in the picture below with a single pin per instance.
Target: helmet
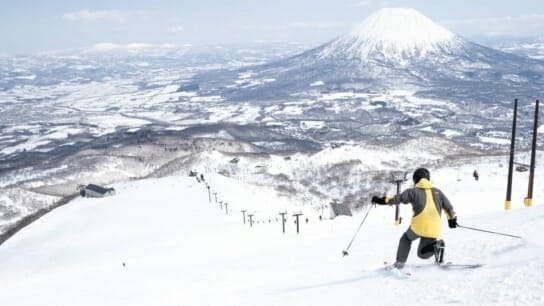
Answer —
(421, 173)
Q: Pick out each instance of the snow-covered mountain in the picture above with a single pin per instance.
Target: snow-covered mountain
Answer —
(396, 75)
(117, 112)
(397, 47)
(290, 135)
(533, 48)
(393, 33)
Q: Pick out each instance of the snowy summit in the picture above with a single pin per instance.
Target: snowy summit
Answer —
(397, 32)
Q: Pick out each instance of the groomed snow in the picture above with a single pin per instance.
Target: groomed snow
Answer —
(179, 249)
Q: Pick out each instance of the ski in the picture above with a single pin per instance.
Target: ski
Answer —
(406, 272)
(450, 265)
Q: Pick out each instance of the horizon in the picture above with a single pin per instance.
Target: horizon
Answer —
(31, 28)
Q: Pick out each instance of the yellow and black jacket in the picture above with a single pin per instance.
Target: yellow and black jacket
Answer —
(427, 204)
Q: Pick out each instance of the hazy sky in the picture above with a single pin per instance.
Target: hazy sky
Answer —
(29, 26)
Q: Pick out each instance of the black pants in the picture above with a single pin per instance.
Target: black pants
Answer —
(424, 250)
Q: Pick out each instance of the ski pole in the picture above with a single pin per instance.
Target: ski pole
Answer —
(485, 231)
(345, 252)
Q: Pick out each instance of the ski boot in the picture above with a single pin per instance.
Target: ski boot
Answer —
(439, 249)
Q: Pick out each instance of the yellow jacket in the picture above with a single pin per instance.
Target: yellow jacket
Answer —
(427, 204)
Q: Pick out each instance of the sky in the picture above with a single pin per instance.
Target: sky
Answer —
(40, 25)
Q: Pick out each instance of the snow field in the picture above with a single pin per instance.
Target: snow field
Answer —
(179, 249)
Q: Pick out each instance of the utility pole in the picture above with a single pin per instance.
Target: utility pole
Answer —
(296, 216)
(398, 178)
(283, 221)
(529, 199)
(508, 202)
(244, 215)
(250, 220)
(215, 194)
(227, 208)
(221, 205)
(322, 208)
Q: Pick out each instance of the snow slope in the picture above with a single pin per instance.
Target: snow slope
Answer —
(179, 249)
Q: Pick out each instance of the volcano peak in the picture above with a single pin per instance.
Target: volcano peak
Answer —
(401, 26)
(397, 32)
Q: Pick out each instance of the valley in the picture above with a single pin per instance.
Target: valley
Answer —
(303, 121)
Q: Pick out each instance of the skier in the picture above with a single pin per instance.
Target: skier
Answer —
(476, 175)
(427, 204)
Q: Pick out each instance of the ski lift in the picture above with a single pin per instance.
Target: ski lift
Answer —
(458, 176)
(398, 177)
(521, 168)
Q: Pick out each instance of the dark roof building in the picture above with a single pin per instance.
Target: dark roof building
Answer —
(95, 191)
(338, 209)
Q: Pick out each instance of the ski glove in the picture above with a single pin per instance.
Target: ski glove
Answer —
(378, 200)
(452, 223)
